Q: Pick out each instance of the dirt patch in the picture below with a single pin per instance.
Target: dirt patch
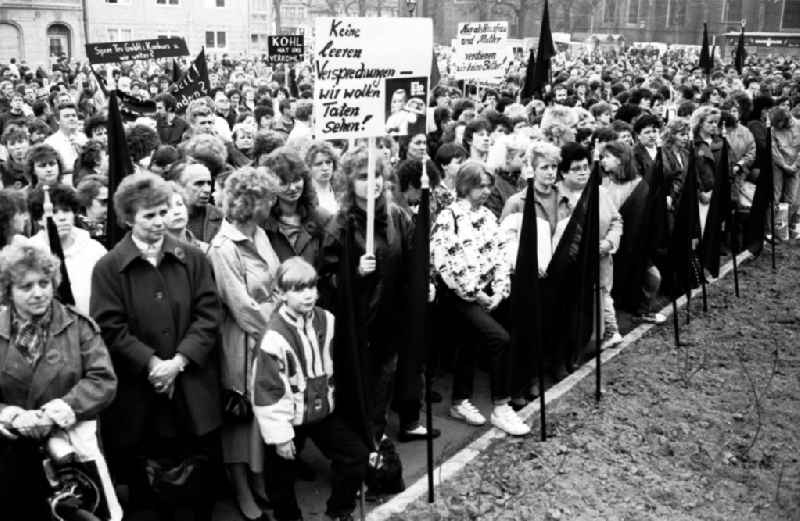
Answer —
(707, 432)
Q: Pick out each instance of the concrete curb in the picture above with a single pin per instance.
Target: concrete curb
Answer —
(460, 459)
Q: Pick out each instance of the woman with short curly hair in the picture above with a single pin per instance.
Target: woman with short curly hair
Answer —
(38, 334)
(156, 304)
(245, 265)
(43, 165)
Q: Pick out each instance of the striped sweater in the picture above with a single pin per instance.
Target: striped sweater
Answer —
(292, 379)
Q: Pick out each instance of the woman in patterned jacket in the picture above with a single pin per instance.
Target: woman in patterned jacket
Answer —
(467, 254)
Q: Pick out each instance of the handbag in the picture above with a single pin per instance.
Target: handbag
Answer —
(236, 406)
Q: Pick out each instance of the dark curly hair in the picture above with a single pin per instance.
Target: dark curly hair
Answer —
(288, 167)
(37, 154)
(141, 140)
(90, 156)
(265, 142)
(12, 202)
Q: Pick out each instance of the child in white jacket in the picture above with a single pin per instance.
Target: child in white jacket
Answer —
(293, 396)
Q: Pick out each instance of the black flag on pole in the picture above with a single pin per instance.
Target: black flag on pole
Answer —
(545, 52)
(762, 201)
(706, 61)
(686, 229)
(718, 212)
(64, 290)
(527, 88)
(119, 166)
(741, 53)
(193, 84)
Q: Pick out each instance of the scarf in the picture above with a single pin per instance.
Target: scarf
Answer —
(30, 336)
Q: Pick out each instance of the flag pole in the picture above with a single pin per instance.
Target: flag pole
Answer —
(425, 184)
(597, 299)
(732, 225)
(369, 242)
(768, 171)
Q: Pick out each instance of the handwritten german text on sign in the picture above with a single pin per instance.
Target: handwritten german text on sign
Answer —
(193, 84)
(481, 33)
(286, 48)
(353, 57)
(113, 52)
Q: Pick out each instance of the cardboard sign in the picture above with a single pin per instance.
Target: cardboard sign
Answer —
(471, 34)
(286, 48)
(114, 52)
(482, 52)
(353, 58)
(193, 85)
(482, 63)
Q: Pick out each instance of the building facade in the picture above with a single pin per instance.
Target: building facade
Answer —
(40, 32)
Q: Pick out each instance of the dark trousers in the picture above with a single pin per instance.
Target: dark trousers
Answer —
(481, 328)
(380, 383)
(348, 455)
(23, 487)
(128, 467)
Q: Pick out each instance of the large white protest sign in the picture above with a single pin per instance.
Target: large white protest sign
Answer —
(481, 52)
(353, 58)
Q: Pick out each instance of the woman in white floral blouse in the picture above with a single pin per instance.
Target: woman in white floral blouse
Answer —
(467, 254)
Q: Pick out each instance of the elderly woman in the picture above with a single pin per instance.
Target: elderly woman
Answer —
(379, 279)
(467, 252)
(296, 224)
(323, 161)
(43, 166)
(57, 372)
(743, 155)
(156, 303)
(81, 252)
(245, 264)
(177, 219)
(92, 193)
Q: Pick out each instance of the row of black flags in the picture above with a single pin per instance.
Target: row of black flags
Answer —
(573, 270)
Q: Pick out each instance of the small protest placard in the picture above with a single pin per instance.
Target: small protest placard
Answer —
(481, 33)
(353, 58)
(193, 84)
(286, 48)
(134, 50)
(406, 106)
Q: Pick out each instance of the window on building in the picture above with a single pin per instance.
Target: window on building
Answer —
(221, 39)
(211, 41)
(791, 14)
(168, 2)
(733, 11)
(260, 6)
(633, 11)
(608, 11)
(119, 2)
(676, 13)
(216, 39)
(220, 3)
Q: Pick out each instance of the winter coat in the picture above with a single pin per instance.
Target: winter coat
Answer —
(383, 292)
(244, 271)
(74, 366)
(676, 160)
(145, 311)
(205, 227)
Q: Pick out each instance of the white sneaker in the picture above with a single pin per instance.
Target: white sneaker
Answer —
(467, 412)
(504, 418)
(613, 341)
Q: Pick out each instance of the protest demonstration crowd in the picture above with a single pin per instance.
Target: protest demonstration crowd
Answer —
(202, 275)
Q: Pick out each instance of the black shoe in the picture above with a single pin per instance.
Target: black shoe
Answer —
(343, 517)
(417, 433)
(518, 404)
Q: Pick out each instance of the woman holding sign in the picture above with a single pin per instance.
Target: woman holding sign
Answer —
(379, 279)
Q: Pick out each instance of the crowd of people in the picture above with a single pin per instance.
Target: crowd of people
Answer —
(203, 342)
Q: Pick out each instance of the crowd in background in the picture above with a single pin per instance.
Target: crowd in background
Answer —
(240, 222)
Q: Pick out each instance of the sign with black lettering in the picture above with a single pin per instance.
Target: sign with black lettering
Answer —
(286, 48)
(134, 50)
(353, 59)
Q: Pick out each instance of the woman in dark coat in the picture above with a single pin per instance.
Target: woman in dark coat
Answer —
(296, 224)
(55, 372)
(379, 281)
(156, 303)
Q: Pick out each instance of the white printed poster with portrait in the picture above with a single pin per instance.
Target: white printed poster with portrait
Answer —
(406, 106)
(353, 59)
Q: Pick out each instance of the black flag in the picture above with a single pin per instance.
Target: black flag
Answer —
(571, 278)
(64, 290)
(545, 52)
(706, 61)
(119, 166)
(176, 71)
(193, 84)
(685, 231)
(631, 258)
(718, 212)
(762, 200)
(741, 53)
(527, 88)
(435, 76)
